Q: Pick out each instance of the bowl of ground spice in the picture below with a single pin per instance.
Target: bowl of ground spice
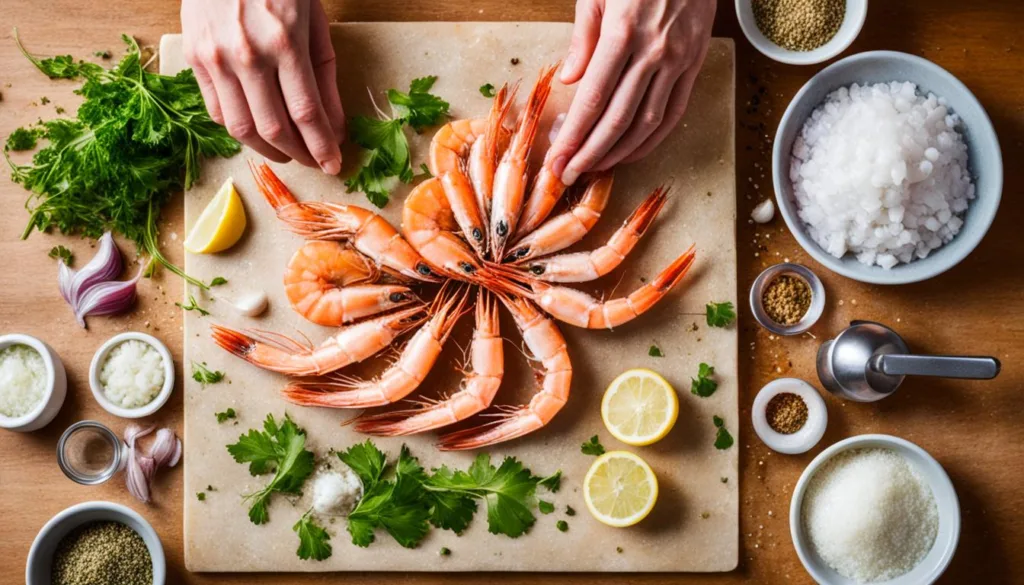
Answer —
(789, 416)
(96, 542)
(801, 32)
(787, 299)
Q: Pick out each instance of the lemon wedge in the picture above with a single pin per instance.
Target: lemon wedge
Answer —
(620, 489)
(639, 407)
(220, 225)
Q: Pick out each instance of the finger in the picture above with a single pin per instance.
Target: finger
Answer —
(600, 80)
(647, 120)
(615, 121)
(585, 32)
(325, 69)
(272, 122)
(302, 98)
(673, 113)
(237, 118)
(209, 92)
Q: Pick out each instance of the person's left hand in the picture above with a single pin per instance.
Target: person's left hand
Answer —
(636, 61)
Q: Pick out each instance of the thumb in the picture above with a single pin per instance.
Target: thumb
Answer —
(585, 33)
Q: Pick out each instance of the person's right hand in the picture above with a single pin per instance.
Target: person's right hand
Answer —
(267, 72)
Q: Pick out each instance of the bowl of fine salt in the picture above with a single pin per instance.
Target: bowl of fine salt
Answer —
(886, 168)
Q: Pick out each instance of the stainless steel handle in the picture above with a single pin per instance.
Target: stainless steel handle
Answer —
(975, 368)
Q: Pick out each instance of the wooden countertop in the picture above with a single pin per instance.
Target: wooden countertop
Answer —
(972, 428)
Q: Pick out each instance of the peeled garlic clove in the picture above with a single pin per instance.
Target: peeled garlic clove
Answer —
(764, 212)
(252, 304)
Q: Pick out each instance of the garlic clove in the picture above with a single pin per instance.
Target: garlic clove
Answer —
(764, 212)
(252, 304)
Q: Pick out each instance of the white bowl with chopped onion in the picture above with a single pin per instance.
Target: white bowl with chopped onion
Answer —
(33, 383)
(870, 488)
(132, 375)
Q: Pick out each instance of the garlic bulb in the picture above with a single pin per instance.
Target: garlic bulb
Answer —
(764, 212)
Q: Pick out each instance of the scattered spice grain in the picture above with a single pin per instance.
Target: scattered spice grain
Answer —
(786, 413)
(102, 552)
(799, 25)
(786, 299)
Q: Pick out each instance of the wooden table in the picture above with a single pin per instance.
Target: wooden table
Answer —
(972, 428)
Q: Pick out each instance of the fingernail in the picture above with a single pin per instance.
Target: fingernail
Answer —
(558, 165)
(569, 176)
(567, 66)
(331, 167)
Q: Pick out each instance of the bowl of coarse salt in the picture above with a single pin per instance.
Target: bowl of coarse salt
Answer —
(886, 168)
(856, 495)
(33, 383)
(132, 375)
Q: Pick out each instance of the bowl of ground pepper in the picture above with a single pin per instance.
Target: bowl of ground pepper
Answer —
(96, 542)
(801, 32)
(787, 299)
(789, 416)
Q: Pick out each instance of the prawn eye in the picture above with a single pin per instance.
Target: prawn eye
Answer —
(467, 267)
(423, 269)
(537, 269)
(397, 297)
(502, 229)
(522, 251)
(478, 234)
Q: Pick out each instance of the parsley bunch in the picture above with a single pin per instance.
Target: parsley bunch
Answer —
(387, 160)
(137, 138)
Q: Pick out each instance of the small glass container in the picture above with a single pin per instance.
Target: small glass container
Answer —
(807, 436)
(801, 272)
(89, 453)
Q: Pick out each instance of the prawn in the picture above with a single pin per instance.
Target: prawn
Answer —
(545, 342)
(451, 144)
(399, 380)
(368, 232)
(465, 208)
(327, 283)
(475, 394)
(428, 223)
(354, 343)
(483, 155)
(547, 190)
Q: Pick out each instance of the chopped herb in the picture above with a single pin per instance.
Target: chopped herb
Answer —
(218, 280)
(720, 314)
(44, 100)
(569, 511)
(61, 253)
(592, 447)
(22, 139)
(514, 60)
(545, 507)
(314, 542)
(101, 54)
(227, 414)
(618, 549)
(725, 480)
(562, 525)
(723, 440)
(192, 305)
(703, 385)
(553, 482)
(210, 488)
(203, 375)
(445, 551)
(655, 351)
(487, 90)
(705, 515)
(59, 110)
(201, 496)
(425, 171)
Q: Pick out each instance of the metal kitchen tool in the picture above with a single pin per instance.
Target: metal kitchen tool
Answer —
(867, 361)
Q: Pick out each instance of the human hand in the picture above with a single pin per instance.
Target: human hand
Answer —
(636, 62)
(267, 72)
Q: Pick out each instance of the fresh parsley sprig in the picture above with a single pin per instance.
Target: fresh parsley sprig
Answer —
(703, 385)
(720, 314)
(723, 440)
(314, 541)
(592, 447)
(203, 375)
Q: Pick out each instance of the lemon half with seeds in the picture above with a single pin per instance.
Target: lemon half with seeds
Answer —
(620, 489)
(221, 223)
(639, 407)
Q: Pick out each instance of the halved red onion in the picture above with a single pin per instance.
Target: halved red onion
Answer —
(93, 290)
(165, 451)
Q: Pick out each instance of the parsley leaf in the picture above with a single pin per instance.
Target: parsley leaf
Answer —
(487, 90)
(203, 375)
(399, 505)
(592, 447)
(419, 108)
(553, 482)
(61, 253)
(720, 314)
(218, 280)
(562, 526)
(226, 415)
(367, 461)
(723, 440)
(314, 542)
(22, 139)
(192, 305)
(279, 448)
(445, 551)
(655, 351)
(545, 507)
(703, 385)
(201, 496)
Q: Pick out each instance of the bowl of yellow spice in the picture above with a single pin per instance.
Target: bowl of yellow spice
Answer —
(787, 299)
(801, 32)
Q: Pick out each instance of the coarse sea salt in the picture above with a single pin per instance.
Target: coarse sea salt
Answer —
(132, 374)
(881, 171)
(22, 380)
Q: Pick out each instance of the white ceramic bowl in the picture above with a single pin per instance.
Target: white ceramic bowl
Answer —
(853, 21)
(986, 162)
(97, 387)
(934, 563)
(56, 386)
(808, 436)
(40, 556)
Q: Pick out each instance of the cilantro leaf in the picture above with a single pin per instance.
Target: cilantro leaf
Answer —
(281, 448)
(314, 542)
(655, 351)
(703, 385)
(419, 108)
(218, 280)
(203, 375)
(487, 90)
(61, 253)
(720, 314)
(723, 440)
(562, 526)
(201, 496)
(226, 415)
(399, 505)
(545, 507)
(553, 482)
(367, 461)
(22, 139)
(592, 447)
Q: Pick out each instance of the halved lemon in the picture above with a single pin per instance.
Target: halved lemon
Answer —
(220, 225)
(639, 407)
(620, 489)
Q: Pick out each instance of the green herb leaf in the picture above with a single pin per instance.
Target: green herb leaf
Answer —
(101, 54)
(562, 525)
(425, 171)
(419, 108)
(592, 447)
(399, 506)
(569, 511)
(217, 281)
(367, 461)
(61, 253)
(279, 448)
(723, 440)
(655, 351)
(703, 385)
(552, 482)
(720, 314)
(22, 139)
(487, 90)
(192, 305)
(314, 542)
(445, 551)
(545, 507)
(226, 415)
(201, 496)
(203, 375)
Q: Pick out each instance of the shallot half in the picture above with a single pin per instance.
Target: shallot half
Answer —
(93, 290)
(165, 451)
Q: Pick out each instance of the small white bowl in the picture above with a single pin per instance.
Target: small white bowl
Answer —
(97, 386)
(853, 21)
(938, 558)
(40, 556)
(808, 436)
(56, 386)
